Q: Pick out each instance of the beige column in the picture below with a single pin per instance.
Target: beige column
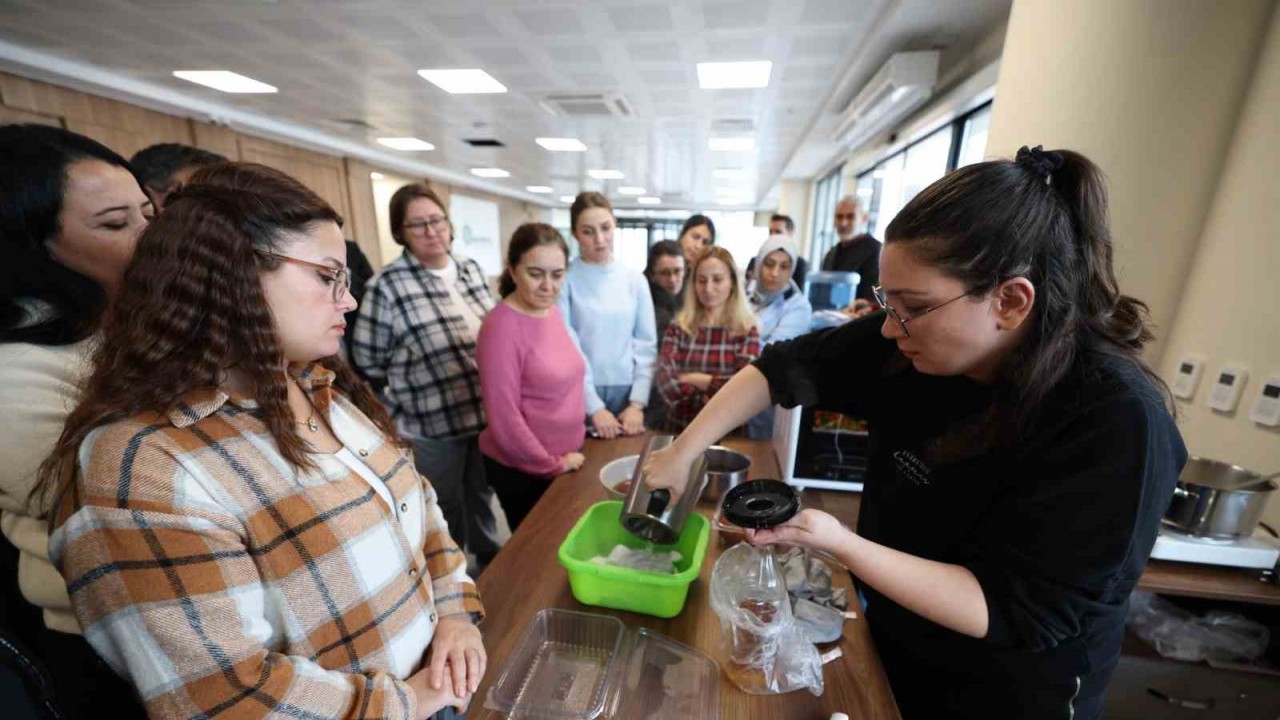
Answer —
(1151, 91)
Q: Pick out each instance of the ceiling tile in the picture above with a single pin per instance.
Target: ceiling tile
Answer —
(654, 51)
(551, 21)
(468, 25)
(641, 18)
(574, 53)
(736, 14)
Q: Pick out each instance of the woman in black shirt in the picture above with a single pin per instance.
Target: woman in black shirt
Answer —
(1021, 452)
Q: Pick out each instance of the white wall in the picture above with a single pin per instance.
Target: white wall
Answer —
(1230, 303)
(1151, 91)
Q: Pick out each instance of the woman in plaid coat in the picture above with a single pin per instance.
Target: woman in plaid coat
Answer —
(714, 336)
(239, 527)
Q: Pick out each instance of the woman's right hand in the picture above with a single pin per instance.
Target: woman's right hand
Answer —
(572, 461)
(668, 468)
(432, 701)
(606, 424)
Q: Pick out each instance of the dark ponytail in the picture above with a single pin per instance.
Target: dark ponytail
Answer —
(1042, 216)
(525, 238)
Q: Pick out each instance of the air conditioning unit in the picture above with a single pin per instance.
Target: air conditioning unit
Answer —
(587, 104)
(900, 86)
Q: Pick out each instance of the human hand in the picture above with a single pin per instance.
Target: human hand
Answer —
(859, 308)
(432, 701)
(632, 419)
(667, 468)
(572, 461)
(702, 381)
(606, 425)
(810, 528)
(457, 647)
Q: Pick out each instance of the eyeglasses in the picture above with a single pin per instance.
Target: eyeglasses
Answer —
(670, 272)
(902, 321)
(420, 226)
(340, 277)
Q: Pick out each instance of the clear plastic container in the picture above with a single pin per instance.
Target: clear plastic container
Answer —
(578, 666)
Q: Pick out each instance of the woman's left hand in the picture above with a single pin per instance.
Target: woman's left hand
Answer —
(458, 646)
(632, 419)
(702, 381)
(810, 528)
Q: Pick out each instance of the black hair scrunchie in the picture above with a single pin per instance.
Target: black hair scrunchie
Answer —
(1042, 162)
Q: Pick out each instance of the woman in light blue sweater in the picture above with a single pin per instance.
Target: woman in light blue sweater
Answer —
(610, 316)
(781, 307)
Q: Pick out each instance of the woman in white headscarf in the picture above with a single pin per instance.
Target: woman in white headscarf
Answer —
(781, 307)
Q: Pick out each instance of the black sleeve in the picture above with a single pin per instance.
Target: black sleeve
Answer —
(829, 260)
(869, 271)
(360, 269)
(1067, 541)
(835, 369)
(802, 269)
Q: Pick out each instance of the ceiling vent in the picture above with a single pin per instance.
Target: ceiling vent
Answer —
(609, 104)
(484, 142)
(732, 126)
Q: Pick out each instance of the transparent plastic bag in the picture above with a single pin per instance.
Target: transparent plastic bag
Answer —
(1176, 633)
(765, 650)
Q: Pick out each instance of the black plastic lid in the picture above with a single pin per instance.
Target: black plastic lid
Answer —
(760, 504)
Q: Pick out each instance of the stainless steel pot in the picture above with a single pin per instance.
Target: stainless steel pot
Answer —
(1218, 500)
(726, 469)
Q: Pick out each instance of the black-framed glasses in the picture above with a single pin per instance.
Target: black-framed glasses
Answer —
(339, 276)
(878, 292)
(420, 226)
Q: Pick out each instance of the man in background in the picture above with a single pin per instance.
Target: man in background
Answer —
(166, 167)
(855, 252)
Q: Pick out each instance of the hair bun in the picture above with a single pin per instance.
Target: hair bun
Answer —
(1042, 162)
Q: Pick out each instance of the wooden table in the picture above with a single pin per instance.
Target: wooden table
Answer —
(526, 577)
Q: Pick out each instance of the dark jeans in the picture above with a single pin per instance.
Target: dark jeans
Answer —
(456, 470)
(517, 491)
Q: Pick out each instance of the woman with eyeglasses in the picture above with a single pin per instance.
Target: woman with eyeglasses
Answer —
(415, 340)
(238, 525)
(1022, 452)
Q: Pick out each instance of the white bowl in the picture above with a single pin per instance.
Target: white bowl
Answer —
(618, 471)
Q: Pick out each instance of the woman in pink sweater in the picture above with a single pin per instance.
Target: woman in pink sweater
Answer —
(531, 376)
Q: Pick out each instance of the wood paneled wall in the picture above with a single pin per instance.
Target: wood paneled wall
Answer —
(342, 182)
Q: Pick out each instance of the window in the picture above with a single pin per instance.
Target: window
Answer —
(822, 229)
(891, 183)
(973, 137)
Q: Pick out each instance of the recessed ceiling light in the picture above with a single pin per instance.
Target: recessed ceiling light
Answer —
(568, 198)
(471, 81)
(649, 200)
(734, 75)
(562, 144)
(407, 144)
(606, 174)
(731, 144)
(490, 172)
(537, 188)
(729, 173)
(376, 176)
(225, 80)
(631, 190)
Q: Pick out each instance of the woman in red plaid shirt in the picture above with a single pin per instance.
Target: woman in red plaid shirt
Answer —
(714, 336)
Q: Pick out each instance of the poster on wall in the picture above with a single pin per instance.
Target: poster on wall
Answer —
(475, 231)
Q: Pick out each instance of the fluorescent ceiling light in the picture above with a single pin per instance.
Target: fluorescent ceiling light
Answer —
(225, 80)
(649, 200)
(472, 81)
(606, 174)
(376, 176)
(732, 144)
(568, 198)
(490, 172)
(537, 188)
(631, 190)
(407, 144)
(562, 144)
(729, 173)
(734, 75)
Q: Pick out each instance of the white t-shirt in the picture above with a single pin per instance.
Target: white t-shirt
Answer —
(449, 274)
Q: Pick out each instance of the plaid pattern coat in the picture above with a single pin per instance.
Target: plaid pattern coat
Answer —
(222, 582)
(712, 350)
(410, 335)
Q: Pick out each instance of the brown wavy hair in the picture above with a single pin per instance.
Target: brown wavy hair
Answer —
(191, 308)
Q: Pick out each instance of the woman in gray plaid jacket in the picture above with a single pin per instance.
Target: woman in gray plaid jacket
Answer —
(415, 340)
